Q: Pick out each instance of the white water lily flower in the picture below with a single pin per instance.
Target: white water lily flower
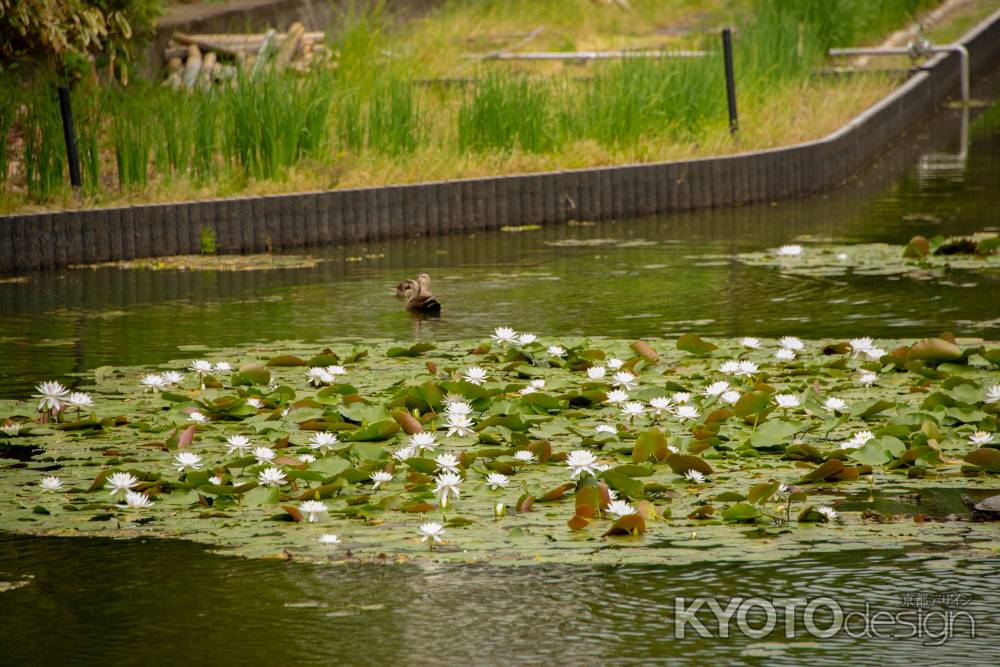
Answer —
(136, 501)
(499, 510)
(527, 338)
(431, 530)
(504, 335)
(606, 428)
(681, 397)
(828, 512)
(557, 351)
(859, 345)
(786, 400)
(538, 384)
(255, 403)
(329, 538)
(307, 458)
(201, 366)
(875, 353)
(120, 482)
(784, 354)
(687, 412)
(459, 425)
(992, 394)
(318, 376)
(475, 375)
(527, 390)
(404, 453)
(497, 480)
(784, 489)
(581, 461)
(730, 367)
(614, 364)
(458, 408)
(717, 388)
(11, 429)
(790, 250)
(730, 397)
(791, 343)
(448, 483)
(694, 476)
(616, 396)
(50, 483)
(197, 417)
(524, 456)
(79, 400)
(747, 368)
(620, 508)
(632, 410)
(981, 438)
(215, 480)
(867, 378)
(237, 444)
(313, 509)
(858, 440)
(173, 377)
(625, 380)
(336, 370)
(447, 463)
(423, 442)
(379, 478)
(596, 372)
(51, 394)
(271, 477)
(750, 342)
(223, 366)
(187, 461)
(263, 454)
(835, 404)
(660, 404)
(322, 440)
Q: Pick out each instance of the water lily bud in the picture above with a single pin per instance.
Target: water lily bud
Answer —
(499, 510)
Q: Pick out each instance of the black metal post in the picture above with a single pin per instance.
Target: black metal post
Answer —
(727, 54)
(69, 133)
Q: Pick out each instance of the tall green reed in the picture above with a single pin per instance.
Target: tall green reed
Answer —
(133, 138)
(394, 122)
(507, 112)
(8, 113)
(88, 107)
(44, 146)
(274, 120)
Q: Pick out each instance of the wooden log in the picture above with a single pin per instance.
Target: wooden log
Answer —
(207, 74)
(192, 67)
(289, 46)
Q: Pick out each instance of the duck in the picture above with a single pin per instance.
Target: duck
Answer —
(418, 296)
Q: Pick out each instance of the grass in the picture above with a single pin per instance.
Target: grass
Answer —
(374, 119)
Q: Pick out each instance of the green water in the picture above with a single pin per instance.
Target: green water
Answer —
(90, 601)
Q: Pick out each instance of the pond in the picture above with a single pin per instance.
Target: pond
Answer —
(126, 601)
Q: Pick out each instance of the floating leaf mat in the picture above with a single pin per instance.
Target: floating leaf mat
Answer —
(709, 472)
(882, 259)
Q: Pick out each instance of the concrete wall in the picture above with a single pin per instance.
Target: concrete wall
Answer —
(255, 224)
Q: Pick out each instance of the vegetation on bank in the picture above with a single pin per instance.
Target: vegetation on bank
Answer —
(400, 103)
